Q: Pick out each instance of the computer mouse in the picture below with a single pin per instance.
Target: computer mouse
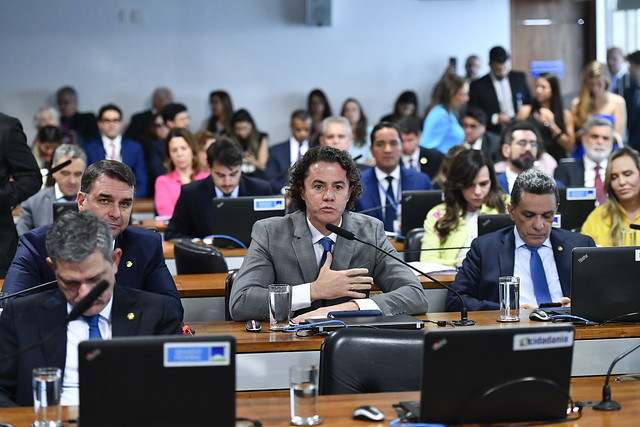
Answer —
(539, 315)
(368, 413)
(253, 325)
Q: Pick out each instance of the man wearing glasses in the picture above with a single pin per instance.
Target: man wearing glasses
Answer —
(520, 149)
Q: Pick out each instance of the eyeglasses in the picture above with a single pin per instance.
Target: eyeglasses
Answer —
(524, 142)
(110, 120)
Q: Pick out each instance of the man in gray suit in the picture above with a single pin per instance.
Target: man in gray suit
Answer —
(326, 275)
(37, 210)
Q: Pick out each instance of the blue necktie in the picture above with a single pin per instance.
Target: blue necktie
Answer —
(389, 211)
(94, 330)
(540, 285)
(326, 245)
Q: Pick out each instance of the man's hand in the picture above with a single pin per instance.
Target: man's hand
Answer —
(565, 301)
(332, 284)
(324, 311)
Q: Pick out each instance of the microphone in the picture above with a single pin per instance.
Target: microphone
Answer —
(33, 288)
(464, 320)
(60, 166)
(634, 226)
(607, 404)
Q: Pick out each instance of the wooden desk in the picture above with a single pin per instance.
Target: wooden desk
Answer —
(144, 205)
(336, 410)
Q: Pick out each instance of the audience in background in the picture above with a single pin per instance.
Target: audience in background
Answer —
(47, 140)
(319, 108)
(472, 68)
(406, 105)
(441, 178)
(617, 65)
(471, 189)
(140, 122)
(221, 111)
(520, 149)
(182, 162)
(336, 133)
(554, 122)
(360, 148)
(84, 124)
(474, 124)
(204, 140)
(49, 116)
(632, 99)
(175, 116)
(254, 143)
(420, 159)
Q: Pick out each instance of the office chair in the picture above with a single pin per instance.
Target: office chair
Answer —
(192, 258)
(228, 284)
(366, 360)
(413, 244)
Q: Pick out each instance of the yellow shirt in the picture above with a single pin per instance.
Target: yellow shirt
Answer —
(598, 227)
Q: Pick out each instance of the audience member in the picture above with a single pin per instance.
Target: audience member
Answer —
(617, 65)
(192, 216)
(283, 155)
(554, 122)
(84, 124)
(175, 116)
(81, 254)
(47, 140)
(521, 149)
(532, 250)
(141, 121)
(319, 108)
(441, 178)
(204, 140)
(476, 137)
(112, 146)
(254, 143)
(471, 189)
(107, 189)
(184, 167)
(336, 133)
(382, 185)
(632, 99)
(406, 105)
(441, 129)
(622, 184)
(420, 159)
(500, 93)
(472, 68)
(326, 272)
(37, 210)
(49, 116)
(19, 179)
(589, 170)
(221, 111)
(360, 149)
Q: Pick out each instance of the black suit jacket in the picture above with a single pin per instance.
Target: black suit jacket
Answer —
(138, 125)
(17, 162)
(27, 320)
(482, 94)
(193, 214)
(570, 174)
(633, 115)
(85, 125)
(430, 161)
(278, 165)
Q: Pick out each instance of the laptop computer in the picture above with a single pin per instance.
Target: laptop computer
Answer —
(415, 206)
(157, 381)
(495, 375)
(61, 208)
(575, 206)
(400, 321)
(488, 223)
(235, 217)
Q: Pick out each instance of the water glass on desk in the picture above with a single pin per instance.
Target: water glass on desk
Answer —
(279, 307)
(509, 297)
(627, 237)
(47, 387)
(304, 395)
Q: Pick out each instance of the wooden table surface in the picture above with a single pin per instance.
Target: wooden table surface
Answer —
(336, 410)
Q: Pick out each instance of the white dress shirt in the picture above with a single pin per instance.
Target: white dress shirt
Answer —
(590, 171)
(108, 149)
(295, 146)
(505, 97)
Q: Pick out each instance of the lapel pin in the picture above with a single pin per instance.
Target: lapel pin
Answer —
(129, 264)
(131, 316)
(423, 160)
(560, 248)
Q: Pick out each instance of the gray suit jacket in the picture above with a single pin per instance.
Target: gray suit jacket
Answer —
(281, 252)
(36, 211)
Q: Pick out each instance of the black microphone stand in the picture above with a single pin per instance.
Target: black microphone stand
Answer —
(607, 404)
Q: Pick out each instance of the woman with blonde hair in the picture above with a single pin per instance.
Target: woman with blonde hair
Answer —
(622, 186)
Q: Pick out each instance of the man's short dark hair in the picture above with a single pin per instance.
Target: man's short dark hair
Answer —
(300, 115)
(67, 91)
(50, 134)
(112, 169)
(225, 151)
(170, 111)
(634, 57)
(476, 113)
(533, 181)
(498, 55)
(409, 124)
(300, 170)
(76, 235)
(385, 125)
(109, 107)
(507, 134)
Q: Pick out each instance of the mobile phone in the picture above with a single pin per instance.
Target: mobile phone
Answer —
(354, 313)
(550, 304)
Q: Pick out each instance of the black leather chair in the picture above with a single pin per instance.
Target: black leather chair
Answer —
(365, 360)
(228, 284)
(413, 244)
(192, 258)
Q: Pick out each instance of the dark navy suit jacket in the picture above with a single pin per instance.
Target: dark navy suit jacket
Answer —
(142, 265)
(571, 173)
(492, 256)
(27, 320)
(277, 166)
(370, 199)
(193, 214)
(132, 156)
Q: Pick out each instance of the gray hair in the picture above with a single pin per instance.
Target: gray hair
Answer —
(336, 119)
(36, 117)
(597, 121)
(71, 151)
(76, 235)
(535, 182)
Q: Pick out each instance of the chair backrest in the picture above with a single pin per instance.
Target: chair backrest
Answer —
(365, 360)
(228, 284)
(192, 258)
(413, 244)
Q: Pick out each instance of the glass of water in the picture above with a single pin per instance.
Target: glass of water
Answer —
(304, 395)
(279, 307)
(47, 387)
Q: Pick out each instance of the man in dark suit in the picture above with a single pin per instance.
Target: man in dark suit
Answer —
(81, 254)
(532, 250)
(632, 99)
(112, 146)
(285, 154)
(107, 189)
(500, 93)
(520, 149)
(19, 179)
(141, 121)
(388, 179)
(415, 157)
(192, 216)
(620, 78)
(476, 137)
(84, 124)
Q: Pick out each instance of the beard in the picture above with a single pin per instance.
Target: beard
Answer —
(523, 162)
(597, 155)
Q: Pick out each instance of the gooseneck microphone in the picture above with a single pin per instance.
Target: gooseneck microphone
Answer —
(33, 288)
(60, 166)
(464, 319)
(607, 404)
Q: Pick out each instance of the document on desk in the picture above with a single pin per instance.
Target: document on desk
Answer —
(432, 268)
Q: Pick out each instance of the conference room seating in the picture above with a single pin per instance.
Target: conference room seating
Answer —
(362, 360)
(192, 258)
(413, 244)
(228, 284)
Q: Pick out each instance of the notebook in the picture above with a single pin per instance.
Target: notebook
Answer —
(157, 381)
(415, 206)
(400, 321)
(61, 208)
(235, 217)
(495, 374)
